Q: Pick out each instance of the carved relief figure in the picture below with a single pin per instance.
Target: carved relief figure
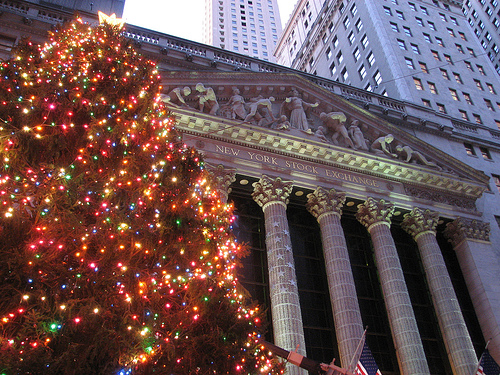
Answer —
(334, 121)
(207, 101)
(381, 146)
(295, 109)
(261, 111)
(176, 96)
(282, 123)
(357, 136)
(410, 156)
(321, 134)
(237, 105)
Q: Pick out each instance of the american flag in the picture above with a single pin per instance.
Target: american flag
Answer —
(487, 365)
(366, 364)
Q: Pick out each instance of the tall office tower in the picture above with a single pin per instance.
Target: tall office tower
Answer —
(91, 6)
(250, 27)
(422, 52)
(484, 19)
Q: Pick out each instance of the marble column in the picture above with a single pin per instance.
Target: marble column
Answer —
(376, 217)
(421, 225)
(272, 195)
(480, 264)
(220, 178)
(326, 207)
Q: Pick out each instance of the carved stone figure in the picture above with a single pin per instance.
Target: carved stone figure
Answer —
(357, 136)
(381, 146)
(260, 111)
(334, 121)
(207, 101)
(410, 156)
(237, 105)
(282, 123)
(321, 134)
(295, 109)
(176, 96)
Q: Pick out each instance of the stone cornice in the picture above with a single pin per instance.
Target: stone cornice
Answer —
(416, 177)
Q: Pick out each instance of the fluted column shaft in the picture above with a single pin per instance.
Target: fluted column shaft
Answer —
(375, 216)
(272, 196)
(471, 242)
(326, 206)
(422, 226)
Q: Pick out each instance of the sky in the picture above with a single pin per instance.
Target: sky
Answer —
(182, 18)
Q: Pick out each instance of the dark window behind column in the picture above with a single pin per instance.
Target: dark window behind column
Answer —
(421, 300)
(370, 298)
(313, 285)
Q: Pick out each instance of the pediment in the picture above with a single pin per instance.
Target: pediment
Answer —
(320, 128)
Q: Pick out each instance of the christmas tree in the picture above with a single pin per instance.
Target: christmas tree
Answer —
(116, 256)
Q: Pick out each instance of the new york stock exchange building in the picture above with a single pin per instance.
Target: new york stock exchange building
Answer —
(357, 208)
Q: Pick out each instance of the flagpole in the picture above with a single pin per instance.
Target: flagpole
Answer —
(480, 359)
(355, 357)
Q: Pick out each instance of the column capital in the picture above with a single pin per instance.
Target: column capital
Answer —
(221, 177)
(323, 201)
(420, 221)
(269, 189)
(467, 229)
(375, 211)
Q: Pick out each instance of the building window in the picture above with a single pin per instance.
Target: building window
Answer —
(362, 72)
(377, 77)
(415, 48)
(439, 41)
(443, 17)
(481, 70)
(468, 65)
(419, 21)
(467, 98)
(496, 180)
(333, 68)
(454, 94)
(459, 48)
(441, 108)
(489, 105)
(340, 57)
(427, 38)
(344, 73)
(451, 32)
(351, 38)
(426, 103)
(346, 22)
(478, 84)
(436, 55)
(328, 53)
(412, 7)
(400, 15)
(432, 26)
(485, 152)
(444, 73)
(477, 119)
(409, 63)
(370, 59)
(356, 54)
(335, 42)
(388, 11)
(497, 122)
(402, 44)
(462, 36)
(423, 66)
(469, 149)
(354, 10)
(424, 10)
(359, 25)
(364, 41)
(418, 84)
(491, 89)
(458, 78)
(448, 59)
(454, 21)
(432, 87)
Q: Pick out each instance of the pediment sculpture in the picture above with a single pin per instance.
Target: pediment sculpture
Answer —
(333, 127)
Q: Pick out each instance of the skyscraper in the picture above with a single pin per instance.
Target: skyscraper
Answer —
(249, 27)
(423, 52)
(484, 19)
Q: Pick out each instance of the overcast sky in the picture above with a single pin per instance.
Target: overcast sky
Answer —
(182, 18)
